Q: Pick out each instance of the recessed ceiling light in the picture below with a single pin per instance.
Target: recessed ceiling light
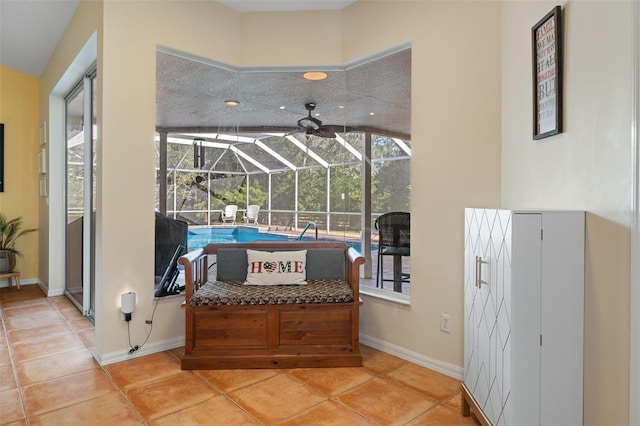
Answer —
(372, 113)
(283, 107)
(341, 106)
(232, 103)
(315, 75)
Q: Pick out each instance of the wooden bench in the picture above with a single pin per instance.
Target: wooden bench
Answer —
(268, 327)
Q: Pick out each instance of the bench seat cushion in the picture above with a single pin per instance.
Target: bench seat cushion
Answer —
(237, 293)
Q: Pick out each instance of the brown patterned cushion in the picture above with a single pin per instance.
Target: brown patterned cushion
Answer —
(236, 293)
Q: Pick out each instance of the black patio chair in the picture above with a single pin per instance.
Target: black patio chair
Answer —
(394, 239)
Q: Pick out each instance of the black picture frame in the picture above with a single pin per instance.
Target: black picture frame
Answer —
(1, 157)
(547, 61)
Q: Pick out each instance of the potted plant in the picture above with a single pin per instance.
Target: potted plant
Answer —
(10, 232)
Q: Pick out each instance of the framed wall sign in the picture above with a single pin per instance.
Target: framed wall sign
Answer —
(546, 37)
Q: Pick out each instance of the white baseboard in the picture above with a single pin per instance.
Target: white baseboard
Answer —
(32, 281)
(28, 281)
(148, 349)
(49, 292)
(441, 367)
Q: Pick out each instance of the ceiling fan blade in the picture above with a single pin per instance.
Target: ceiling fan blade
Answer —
(279, 134)
(323, 132)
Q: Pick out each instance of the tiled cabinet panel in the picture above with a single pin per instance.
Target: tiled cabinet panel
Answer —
(487, 309)
(523, 304)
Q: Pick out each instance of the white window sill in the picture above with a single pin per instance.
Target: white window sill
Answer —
(391, 296)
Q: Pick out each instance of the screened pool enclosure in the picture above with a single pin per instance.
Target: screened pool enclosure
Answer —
(295, 179)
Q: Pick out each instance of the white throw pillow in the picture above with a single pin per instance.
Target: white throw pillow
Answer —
(276, 268)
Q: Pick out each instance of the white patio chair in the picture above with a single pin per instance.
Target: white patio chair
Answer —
(251, 215)
(229, 214)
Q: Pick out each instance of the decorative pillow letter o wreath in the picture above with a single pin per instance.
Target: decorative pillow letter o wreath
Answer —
(276, 268)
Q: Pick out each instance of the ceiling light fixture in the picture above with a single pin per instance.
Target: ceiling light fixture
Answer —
(315, 75)
(232, 103)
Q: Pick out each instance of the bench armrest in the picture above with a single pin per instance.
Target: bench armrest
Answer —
(196, 269)
(353, 262)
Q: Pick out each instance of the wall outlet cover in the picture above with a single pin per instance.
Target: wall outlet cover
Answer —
(445, 323)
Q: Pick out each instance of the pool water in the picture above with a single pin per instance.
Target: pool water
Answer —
(200, 237)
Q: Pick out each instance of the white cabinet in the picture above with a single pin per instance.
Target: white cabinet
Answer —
(524, 311)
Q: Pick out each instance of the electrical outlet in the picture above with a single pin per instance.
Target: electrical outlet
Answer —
(445, 323)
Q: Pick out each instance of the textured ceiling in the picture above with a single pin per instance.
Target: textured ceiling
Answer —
(191, 95)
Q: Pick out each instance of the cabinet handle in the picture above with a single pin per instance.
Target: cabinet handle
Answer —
(479, 263)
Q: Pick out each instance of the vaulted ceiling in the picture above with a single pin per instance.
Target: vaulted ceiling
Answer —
(30, 30)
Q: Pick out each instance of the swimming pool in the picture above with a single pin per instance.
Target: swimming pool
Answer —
(199, 237)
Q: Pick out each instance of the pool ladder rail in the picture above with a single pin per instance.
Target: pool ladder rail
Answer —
(307, 227)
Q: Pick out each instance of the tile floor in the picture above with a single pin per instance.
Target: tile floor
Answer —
(48, 377)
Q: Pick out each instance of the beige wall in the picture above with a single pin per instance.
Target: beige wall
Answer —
(588, 167)
(19, 113)
(456, 156)
(470, 100)
(128, 118)
(291, 39)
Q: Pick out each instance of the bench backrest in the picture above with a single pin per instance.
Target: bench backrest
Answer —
(322, 263)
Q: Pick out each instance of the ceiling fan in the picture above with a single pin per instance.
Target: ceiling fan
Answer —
(312, 126)
(307, 125)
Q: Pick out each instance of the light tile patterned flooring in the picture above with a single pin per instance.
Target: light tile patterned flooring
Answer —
(48, 377)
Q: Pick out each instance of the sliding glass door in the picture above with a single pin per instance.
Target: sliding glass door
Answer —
(80, 194)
